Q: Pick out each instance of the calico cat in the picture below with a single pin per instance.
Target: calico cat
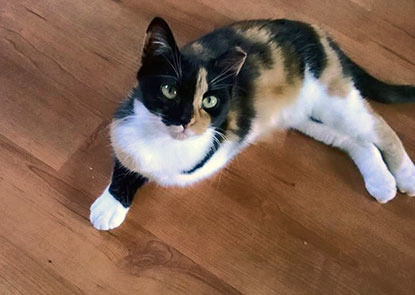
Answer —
(195, 108)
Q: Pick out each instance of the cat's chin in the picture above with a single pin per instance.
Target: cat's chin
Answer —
(179, 133)
(180, 136)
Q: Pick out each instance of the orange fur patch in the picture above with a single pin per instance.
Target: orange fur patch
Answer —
(201, 119)
(275, 89)
(332, 75)
(197, 47)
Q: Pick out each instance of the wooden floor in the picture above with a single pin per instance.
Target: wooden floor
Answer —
(288, 216)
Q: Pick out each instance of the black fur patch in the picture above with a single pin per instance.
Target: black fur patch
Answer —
(125, 109)
(300, 42)
(315, 120)
(369, 86)
(125, 183)
(159, 69)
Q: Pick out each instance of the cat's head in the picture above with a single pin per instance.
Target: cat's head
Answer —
(189, 94)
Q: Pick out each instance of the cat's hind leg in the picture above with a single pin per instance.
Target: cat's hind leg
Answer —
(378, 180)
(353, 117)
(395, 156)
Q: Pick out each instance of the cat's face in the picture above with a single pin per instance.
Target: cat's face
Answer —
(188, 94)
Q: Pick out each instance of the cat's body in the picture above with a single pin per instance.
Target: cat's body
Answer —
(195, 109)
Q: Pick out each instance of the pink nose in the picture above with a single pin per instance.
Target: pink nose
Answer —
(178, 129)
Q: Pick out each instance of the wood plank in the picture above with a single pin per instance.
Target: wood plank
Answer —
(40, 119)
(288, 226)
(288, 216)
(47, 226)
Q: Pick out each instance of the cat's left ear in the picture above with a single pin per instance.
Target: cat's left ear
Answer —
(232, 61)
(159, 38)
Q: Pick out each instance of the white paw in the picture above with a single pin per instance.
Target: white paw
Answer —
(405, 178)
(383, 189)
(106, 212)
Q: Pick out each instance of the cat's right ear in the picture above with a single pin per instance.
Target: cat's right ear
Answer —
(232, 61)
(159, 39)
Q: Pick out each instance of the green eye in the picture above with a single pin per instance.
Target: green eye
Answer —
(209, 102)
(169, 91)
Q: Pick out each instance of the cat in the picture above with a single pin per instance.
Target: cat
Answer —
(195, 108)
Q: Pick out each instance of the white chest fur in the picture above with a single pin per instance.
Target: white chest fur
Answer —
(142, 144)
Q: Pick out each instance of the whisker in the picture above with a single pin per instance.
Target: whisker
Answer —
(223, 137)
(219, 179)
(163, 76)
(234, 87)
(217, 142)
(178, 61)
(174, 59)
(222, 78)
(180, 64)
(224, 72)
(172, 66)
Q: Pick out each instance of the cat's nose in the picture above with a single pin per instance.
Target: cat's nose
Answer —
(185, 123)
(178, 128)
(189, 123)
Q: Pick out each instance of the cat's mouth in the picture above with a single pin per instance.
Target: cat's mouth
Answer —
(179, 132)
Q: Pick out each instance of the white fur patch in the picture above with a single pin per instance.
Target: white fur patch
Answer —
(347, 114)
(379, 181)
(349, 125)
(405, 177)
(219, 159)
(106, 212)
(142, 144)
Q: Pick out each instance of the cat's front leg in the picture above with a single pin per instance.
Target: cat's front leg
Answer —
(110, 209)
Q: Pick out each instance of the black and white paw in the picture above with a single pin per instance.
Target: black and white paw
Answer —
(382, 187)
(106, 212)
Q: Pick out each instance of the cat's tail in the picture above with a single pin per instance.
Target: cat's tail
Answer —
(380, 91)
(372, 88)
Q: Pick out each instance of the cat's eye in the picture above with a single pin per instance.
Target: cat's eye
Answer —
(209, 102)
(168, 91)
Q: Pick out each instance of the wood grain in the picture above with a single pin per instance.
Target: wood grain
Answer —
(288, 216)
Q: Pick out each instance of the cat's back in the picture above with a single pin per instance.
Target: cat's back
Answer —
(283, 57)
(299, 42)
